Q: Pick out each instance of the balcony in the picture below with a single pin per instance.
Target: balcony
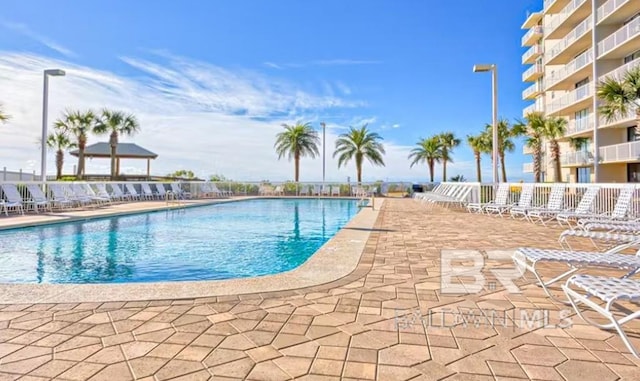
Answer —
(531, 55)
(533, 73)
(573, 71)
(621, 43)
(554, 6)
(579, 127)
(576, 159)
(536, 107)
(560, 24)
(532, 36)
(527, 168)
(615, 11)
(532, 20)
(532, 91)
(617, 153)
(576, 41)
(627, 120)
(572, 101)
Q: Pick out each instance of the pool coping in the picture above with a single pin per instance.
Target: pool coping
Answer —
(322, 267)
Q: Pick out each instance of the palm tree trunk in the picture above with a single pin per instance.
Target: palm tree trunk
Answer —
(537, 163)
(478, 166)
(82, 141)
(59, 164)
(555, 151)
(113, 141)
(444, 170)
(431, 170)
(297, 166)
(359, 167)
(503, 167)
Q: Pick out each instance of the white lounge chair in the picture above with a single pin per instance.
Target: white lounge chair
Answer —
(177, 190)
(60, 198)
(38, 198)
(147, 193)
(316, 190)
(609, 291)
(325, 190)
(96, 197)
(218, 192)
(554, 206)
(612, 238)
(304, 190)
(14, 200)
(101, 190)
(499, 204)
(335, 190)
(119, 194)
(582, 210)
(162, 192)
(524, 202)
(530, 258)
(81, 195)
(132, 192)
(620, 210)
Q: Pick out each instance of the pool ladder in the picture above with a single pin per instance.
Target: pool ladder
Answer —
(173, 200)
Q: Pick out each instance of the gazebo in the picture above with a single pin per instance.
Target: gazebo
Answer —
(123, 151)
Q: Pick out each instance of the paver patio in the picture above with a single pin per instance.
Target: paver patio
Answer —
(359, 327)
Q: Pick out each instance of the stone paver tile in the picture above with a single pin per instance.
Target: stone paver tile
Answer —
(175, 368)
(117, 339)
(506, 369)
(294, 366)
(398, 373)
(9, 376)
(360, 370)
(137, 348)
(263, 353)
(181, 338)
(82, 371)
(158, 336)
(223, 356)
(146, 366)
(108, 355)
(404, 355)
(53, 368)
(118, 371)
(24, 366)
(166, 350)
(332, 353)
(193, 353)
(78, 354)
(267, 371)
(219, 318)
(78, 342)
(538, 355)
(29, 337)
(7, 348)
(238, 368)
(26, 353)
(362, 355)
(541, 372)
(585, 370)
(285, 340)
(237, 341)
(327, 367)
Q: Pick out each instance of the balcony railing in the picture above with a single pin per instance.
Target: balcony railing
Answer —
(576, 158)
(532, 71)
(530, 34)
(609, 7)
(578, 63)
(577, 32)
(527, 168)
(531, 91)
(629, 116)
(532, 53)
(563, 15)
(629, 151)
(536, 107)
(575, 126)
(621, 71)
(618, 38)
(570, 98)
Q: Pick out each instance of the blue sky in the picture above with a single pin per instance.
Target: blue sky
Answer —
(403, 66)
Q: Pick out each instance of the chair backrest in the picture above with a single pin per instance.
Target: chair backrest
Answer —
(78, 189)
(526, 196)
(36, 193)
(556, 198)
(585, 204)
(117, 191)
(623, 202)
(463, 194)
(335, 189)
(102, 190)
(175, 188)
(11, 192)
(502, 194)
(160, 189)
(131, 189)
(58, 191)
(88, 189)
(146, 189)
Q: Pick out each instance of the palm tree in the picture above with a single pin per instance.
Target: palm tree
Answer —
(534, 126)
(448, 141)
(3, 117)
(458, 179)
(555, 128)
(428, 151)
(297, 141)
(479, 144)
(115, 123)
(506, 132)
(621, 96)
(359, 144)
(77, 124)
(59, 141)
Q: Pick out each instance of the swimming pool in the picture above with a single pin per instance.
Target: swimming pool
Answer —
(222, 241)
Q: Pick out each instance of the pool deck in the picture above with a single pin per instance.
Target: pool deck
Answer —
(345, 329)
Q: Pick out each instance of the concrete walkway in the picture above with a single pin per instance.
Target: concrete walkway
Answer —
(371, 324)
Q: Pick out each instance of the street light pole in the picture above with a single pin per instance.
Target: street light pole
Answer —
(45, 108)
(494, 105)
(324, 149)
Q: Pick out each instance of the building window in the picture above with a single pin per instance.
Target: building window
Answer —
(632, 18)
(582, 83)
(632, 134)
(583, 175)
(582, 119)
(633, 172)
(632, 56)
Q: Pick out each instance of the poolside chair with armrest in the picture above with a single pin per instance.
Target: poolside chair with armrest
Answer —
(60, 197)
(14, 197)
(101, 189)
(620, 210)
(14, 200)
(82, 196)
(582, 210)
(88, 190)
(524, 202)
(119, 193)
(610, 291)
(554, 206)
(501, 198)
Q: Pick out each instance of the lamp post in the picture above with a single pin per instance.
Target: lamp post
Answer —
(45, 106)
(494, 73)
(324, 149)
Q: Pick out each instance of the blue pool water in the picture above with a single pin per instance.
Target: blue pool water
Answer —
(231, 240)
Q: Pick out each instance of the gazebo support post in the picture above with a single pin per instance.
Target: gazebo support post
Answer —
(117, 167)
(148, 168)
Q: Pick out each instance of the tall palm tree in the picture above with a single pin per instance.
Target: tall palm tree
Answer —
(428, 151)
(449, 141)
(297, 141)
(3, 117)
(555, 128)
(359, 144)
(115, 123)
(534, 125)
(77, 124)
(506, 133)
(621, 96)
(479, 144)
(59, 141)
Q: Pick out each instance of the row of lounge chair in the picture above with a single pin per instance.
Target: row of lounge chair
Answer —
(313, 190)
(67, 195)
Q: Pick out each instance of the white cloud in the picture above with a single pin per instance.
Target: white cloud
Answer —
(329, 62)
(26, 31)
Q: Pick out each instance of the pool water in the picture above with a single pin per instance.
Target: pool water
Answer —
(230, 240)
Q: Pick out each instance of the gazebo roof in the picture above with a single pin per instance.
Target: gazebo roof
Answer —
(123, 151)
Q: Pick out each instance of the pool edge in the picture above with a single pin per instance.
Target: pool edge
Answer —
(322, 267)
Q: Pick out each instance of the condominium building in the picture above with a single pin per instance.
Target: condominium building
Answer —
(572, 45)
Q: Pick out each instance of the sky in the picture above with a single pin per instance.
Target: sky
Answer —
(212, 82)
